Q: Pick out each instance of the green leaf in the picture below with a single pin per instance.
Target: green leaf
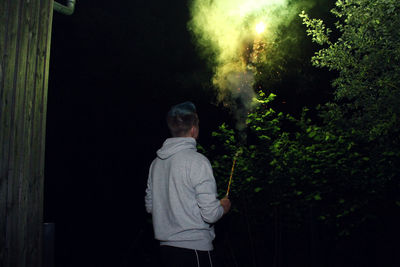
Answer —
(317, 197)
(257, 189)
(264, 137)
(249, 179)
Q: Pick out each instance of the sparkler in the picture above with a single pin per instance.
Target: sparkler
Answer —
(238, 34)
(249, 56)
(233, 168)
(260, 27)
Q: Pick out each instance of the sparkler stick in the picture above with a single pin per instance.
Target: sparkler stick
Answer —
(233, 168)
(230, 178)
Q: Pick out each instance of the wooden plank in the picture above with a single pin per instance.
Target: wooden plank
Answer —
(9, 61)
(39, 116)
(30, 219)
(46, 83)
(4, 130)
(17, 179)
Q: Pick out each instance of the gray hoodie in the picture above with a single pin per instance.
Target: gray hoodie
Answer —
(181, 195)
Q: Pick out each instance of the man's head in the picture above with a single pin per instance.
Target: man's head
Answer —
(183, 121)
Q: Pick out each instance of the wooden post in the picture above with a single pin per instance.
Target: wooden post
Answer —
(25, 34)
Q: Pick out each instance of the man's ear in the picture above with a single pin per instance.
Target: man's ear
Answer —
(192, 131)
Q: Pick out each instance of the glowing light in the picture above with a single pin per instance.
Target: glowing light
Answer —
(260, 27)
(233, 35)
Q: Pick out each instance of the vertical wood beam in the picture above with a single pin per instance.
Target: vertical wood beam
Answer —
(25, 35)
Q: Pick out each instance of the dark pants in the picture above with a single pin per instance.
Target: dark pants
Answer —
(182, 257)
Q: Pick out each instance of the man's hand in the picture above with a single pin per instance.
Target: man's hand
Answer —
(226, 204)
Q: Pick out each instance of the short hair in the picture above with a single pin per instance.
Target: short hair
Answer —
(181, 118)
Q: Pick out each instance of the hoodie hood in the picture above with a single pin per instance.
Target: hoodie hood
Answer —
(173, 145)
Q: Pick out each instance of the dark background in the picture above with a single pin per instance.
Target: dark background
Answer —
(116, 68)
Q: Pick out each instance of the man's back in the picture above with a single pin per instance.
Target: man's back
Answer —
(182, 196)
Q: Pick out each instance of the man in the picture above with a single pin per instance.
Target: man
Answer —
(181, 194)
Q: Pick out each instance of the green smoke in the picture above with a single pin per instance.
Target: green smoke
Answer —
(225, 32)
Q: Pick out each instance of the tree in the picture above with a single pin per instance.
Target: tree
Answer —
(366, 55)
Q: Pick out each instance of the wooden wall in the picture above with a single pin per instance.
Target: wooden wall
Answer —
(25, 33)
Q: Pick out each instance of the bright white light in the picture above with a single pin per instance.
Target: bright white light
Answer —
(260, 27)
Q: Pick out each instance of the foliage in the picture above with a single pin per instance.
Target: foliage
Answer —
(367, 55)
(346, 167)
(341, 168)
(296, 164)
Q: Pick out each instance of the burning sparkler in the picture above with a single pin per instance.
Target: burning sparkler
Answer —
(236, 33)
(260, 27)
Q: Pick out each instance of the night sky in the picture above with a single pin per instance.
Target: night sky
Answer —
(116, 67)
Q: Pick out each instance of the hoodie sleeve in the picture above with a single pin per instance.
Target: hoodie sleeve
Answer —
(148, 199)
(205, 187)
